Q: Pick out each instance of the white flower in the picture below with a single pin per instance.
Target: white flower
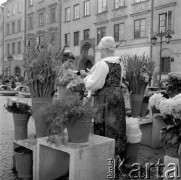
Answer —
(165, 106)
(177, 97)
(156, 99)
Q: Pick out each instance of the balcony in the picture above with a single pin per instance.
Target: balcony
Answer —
(119, 13)
(102, 17)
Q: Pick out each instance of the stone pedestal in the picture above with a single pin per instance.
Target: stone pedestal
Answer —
(86, 161)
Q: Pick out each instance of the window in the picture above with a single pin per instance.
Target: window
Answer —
(67, 40)
(30, 2)
(30, 22)
(7, 29)
(86, 34)
(52, 40)
(76, 11)
(166, 21)
(13, 27)
(140, 28)
(165, 64)
(67, 14)
(40, 39)
(41, 19)
(102, 5)
(13, 48)
(119, 32)
(138, 1)
(52, 15)
(19, 7)
(101, 32)
(19, 47)
(13, 9)
(7, 12)
(76, 38)
(19, 26)
(86, 8)
(119, 3)
(8, 49)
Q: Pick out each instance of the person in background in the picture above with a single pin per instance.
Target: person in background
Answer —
(65, 74)
(105, 79)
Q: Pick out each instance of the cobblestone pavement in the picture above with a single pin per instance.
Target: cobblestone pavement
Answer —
(146, 154)
(6, 140)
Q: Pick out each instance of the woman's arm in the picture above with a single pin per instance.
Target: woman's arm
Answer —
(96, 80)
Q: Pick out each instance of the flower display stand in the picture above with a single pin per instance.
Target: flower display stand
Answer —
(87, 160)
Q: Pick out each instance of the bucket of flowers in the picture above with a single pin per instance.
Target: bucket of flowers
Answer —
(21, 112)
(170, 110)
(139, 72)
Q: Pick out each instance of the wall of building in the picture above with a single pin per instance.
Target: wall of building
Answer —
(127, 15)
(1, 38)
(172, 49)
(14, 12)
(49, 27)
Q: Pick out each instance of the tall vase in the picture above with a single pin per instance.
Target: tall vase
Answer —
(136, 102)
(40, 125)
(20, 126)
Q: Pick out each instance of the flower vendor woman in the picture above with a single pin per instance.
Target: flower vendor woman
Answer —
(105, 81)
(65, 74)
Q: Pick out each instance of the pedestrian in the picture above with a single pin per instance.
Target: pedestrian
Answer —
(105, 80)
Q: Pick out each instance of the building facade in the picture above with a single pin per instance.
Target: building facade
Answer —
(14, 37)
(1, 39)
(43, 20)
(167, 17)
(84, 23)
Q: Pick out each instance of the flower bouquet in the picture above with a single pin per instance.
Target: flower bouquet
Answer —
(77, 84)
(41, 69)
(18, 107)
(139, 72)
(174, 83)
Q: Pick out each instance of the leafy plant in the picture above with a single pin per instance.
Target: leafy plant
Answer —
(174, 82)
(18, 107)
(59, 115)
(139, 72)
(41, 68)
(171, 134)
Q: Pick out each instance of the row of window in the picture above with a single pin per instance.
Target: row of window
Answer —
(42, 18)
(13, 25)
(76, 37)
(12, 10)
(101, 7)
(165, 23)
(13, 48)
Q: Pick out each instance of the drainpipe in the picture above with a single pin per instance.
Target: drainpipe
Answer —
(25, 30)
(3, 40)
(152, 17)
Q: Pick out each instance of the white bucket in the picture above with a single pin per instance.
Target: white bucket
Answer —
(133, 131)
